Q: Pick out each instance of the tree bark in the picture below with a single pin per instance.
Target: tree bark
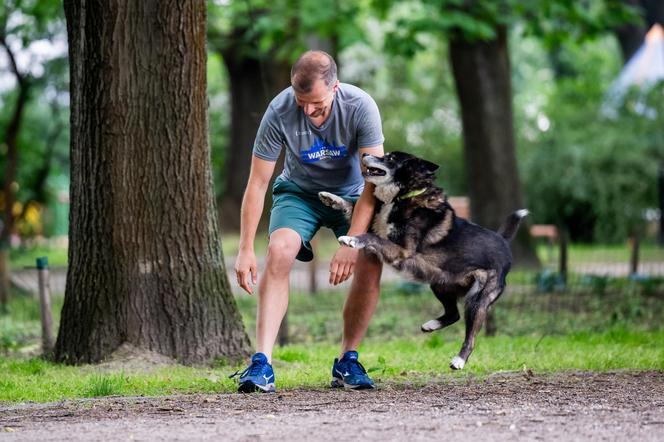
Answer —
(254, 81)
(145, 259)
(482, 76)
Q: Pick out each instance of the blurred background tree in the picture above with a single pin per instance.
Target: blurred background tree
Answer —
(33, 123)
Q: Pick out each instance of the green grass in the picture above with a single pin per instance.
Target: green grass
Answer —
(406, 361)
(597, 324)
(21, 326)
(26, 256)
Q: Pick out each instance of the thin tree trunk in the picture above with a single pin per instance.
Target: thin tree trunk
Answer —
(482, 76)
(253, 84)
(145, 260)
(9, 178)
(630, 36)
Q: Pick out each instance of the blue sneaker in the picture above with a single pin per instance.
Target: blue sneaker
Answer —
(347, 372)
(259, 376)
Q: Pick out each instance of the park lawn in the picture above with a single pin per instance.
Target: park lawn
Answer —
(606, 253)
(400, 362)
(23, 257)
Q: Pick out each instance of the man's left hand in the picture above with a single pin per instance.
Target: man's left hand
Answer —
(343, 264)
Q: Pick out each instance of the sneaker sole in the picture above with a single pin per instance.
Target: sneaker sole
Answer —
(250, 387)
(338, 383)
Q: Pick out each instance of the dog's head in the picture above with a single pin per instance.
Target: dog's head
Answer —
(399, 169)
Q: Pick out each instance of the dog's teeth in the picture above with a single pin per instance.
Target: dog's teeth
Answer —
(457, 363)
(432, 325)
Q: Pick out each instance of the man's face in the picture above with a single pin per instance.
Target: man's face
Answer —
(316, 103)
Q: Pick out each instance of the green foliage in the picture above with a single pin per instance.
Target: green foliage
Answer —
(594, 175)
(558, 22)
(283, 29)
(555, 21)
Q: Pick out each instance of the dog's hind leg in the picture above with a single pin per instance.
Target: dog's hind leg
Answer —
(451, 314)
(336, 202)
(477, 305)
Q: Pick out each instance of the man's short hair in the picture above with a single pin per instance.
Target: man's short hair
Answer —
(311, 66)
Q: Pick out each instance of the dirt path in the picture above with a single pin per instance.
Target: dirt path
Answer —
(512, 406)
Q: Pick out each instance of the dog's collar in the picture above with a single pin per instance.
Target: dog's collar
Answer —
(412, 194)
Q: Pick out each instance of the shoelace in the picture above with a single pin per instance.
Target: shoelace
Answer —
(252, 370)
(355, 367)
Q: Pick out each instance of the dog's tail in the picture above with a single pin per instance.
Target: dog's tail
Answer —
(511, 224)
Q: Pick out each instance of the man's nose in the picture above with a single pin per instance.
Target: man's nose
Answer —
(309, 108)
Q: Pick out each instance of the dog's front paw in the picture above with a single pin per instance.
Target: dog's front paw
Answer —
(457, 363)
(335, 202)
(432, 325)
(351, 241)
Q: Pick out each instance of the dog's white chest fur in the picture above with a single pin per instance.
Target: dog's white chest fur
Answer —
(380, 225)
(386, 193)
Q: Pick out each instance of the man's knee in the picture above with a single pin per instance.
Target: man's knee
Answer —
(282, 249)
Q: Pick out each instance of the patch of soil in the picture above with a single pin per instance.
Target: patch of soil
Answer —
(505, 406)
(130, 359)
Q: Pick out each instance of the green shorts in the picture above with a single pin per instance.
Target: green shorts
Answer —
(296, 209)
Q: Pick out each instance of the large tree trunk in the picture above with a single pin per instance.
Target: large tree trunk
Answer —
(145, 260)
(253, 84)
(482, 75)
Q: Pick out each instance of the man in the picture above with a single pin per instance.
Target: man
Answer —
(325, 126)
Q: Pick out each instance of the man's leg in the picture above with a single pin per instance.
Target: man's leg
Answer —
(361, 301)
(273, 287)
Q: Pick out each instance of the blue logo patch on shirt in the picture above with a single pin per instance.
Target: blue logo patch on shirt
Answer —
(322, 150)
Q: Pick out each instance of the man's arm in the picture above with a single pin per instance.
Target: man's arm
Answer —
(343, 262)
(250, 215)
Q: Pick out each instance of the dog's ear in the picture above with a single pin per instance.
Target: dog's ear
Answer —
(422, 164)
(429, 166)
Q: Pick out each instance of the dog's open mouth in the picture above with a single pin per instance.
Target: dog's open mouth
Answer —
(375, 171)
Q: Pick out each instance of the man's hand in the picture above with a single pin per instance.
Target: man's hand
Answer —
(343, 264)
(245, 266)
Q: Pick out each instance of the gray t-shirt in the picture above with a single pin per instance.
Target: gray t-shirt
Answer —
(321, 158)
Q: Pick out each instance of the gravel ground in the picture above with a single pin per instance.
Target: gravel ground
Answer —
(505, 406)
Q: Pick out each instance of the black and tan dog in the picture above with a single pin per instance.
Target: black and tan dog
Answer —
(416, 231)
